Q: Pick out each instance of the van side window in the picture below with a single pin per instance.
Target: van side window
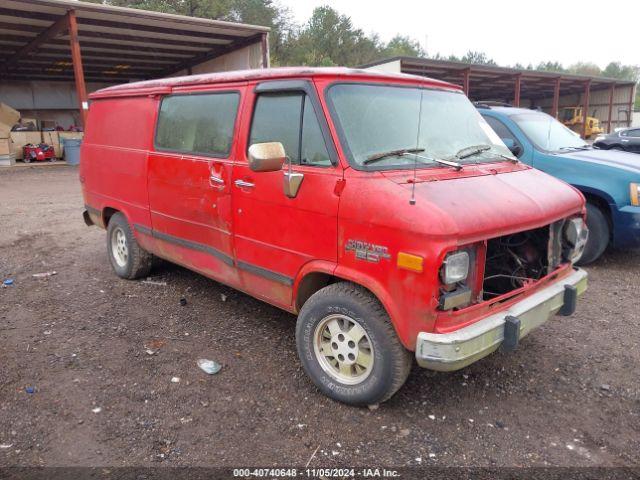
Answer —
(289, 118)
(198, 124)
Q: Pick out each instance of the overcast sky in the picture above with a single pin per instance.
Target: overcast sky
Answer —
(567, 31)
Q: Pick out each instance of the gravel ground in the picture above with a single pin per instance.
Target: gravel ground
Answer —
(568, 397)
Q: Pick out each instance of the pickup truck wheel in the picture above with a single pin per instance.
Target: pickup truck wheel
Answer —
(127, 258)
(598, 235)
(348, 346)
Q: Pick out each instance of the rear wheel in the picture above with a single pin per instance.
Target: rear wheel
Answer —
(617, 147)
(348, 346)
(599, 233)
(127, 258)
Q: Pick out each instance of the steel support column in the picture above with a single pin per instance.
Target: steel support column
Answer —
(516, 97)
(585, 107)
(632, 95)
(265, 50)
(466, 80)
(78, 70)
(611, 93)
(556, 98)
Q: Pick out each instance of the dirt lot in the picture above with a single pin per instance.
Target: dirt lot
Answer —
(569, 396)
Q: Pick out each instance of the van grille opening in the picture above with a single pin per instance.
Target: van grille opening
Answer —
(516, 260)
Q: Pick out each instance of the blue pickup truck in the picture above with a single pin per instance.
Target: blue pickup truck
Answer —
(609, 180)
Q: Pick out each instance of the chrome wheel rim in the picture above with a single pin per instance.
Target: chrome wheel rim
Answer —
(119, 248)
(343, 349)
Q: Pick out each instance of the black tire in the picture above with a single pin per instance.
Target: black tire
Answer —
(599, 234)
(391, 361)
(618, 148)
(137, 262)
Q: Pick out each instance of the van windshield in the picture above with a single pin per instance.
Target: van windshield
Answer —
(546, 132)
(421, 125)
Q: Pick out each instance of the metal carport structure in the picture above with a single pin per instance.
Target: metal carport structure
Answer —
(522, 87)
(72, 41)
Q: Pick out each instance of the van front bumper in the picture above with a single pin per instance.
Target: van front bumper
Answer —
(447, 352)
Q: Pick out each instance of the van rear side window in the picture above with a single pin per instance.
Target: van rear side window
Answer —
(198, 124)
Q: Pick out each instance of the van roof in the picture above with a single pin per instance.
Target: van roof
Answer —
(166, 85)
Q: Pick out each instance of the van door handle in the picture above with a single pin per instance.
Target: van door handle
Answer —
(244, 184)
(214, 179)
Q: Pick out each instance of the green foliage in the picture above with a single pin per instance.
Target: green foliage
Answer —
(192, 8)
(401, 46)
(585, 68)
(623, 72)
(479, 58)
(472, 56)
(550, 67)
(329, 38)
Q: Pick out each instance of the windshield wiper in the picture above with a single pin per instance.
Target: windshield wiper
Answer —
(409, 151)
(477, 149)
(390, 153)
(583, 147)
(471, 151)
(507, 157)
(449, 163)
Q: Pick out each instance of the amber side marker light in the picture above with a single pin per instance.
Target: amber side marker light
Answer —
(410, 262)
(635, 194)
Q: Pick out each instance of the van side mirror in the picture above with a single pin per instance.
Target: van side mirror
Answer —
(266, 157)
(512, 145)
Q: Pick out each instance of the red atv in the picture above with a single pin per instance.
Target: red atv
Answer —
(38, 153)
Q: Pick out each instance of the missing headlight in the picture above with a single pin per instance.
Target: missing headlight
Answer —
(575, 235)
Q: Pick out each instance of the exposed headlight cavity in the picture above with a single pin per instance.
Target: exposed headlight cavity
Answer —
(575, 235)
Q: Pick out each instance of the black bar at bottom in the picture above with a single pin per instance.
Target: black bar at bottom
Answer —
(511, 333)
(570, 301)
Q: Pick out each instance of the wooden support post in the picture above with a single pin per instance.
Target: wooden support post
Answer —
(556, 98)
(611, 94)
(585, 108)
(516, 97)
(465, 81)
(78, 71)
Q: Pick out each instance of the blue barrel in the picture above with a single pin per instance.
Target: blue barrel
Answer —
(72, 150)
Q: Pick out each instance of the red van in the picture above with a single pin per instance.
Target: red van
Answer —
(381, 209)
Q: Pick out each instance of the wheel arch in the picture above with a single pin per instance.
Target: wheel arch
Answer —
(601, 200)
(107, 213)
(313, 278)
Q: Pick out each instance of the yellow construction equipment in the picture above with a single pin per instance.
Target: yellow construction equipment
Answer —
(572, 118)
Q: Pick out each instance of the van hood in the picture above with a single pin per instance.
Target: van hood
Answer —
(479, 207)
(612, 158)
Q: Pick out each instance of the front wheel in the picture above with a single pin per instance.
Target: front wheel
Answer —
(348, 346)
(599, 233)
(127, 258)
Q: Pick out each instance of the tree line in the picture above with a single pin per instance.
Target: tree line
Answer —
(330, 38)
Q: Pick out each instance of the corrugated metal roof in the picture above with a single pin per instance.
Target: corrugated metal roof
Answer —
(118, 44)
(491, 81)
